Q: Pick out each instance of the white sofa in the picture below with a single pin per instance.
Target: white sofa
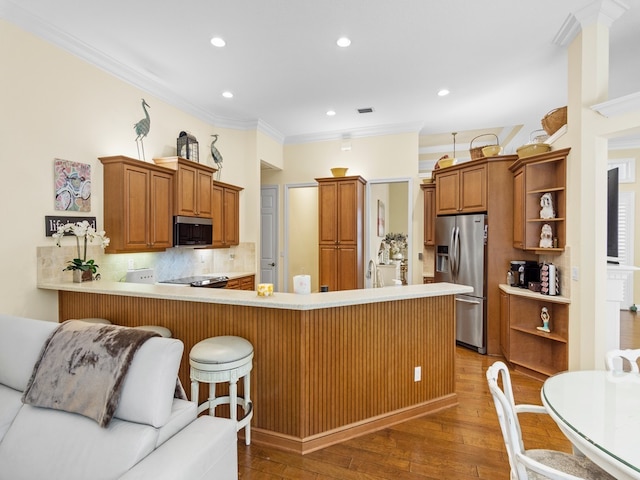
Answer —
(151, 436)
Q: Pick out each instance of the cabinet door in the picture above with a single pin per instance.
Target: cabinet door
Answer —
(160, 211)
(217, 199)
(347, 259)
(328, 223)
(348, 212)
(518, 209)
(504, 324)
(186, 191)
(447, 193)
(204, 195)
(136, 208)
(473, 189)
(328, 266)
(231, 213)
(429, 215)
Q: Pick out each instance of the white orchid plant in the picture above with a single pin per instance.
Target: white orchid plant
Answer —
(89, 234)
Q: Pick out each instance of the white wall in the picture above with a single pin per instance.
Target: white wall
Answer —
(57, 106)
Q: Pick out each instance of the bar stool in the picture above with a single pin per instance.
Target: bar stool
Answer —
(224, 359)
(162, 331)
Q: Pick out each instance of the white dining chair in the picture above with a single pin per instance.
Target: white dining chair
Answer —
(615, 360)
(538, 463)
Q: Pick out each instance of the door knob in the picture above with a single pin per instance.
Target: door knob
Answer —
(273, 264)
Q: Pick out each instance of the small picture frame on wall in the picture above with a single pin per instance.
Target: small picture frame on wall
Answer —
(380, 218)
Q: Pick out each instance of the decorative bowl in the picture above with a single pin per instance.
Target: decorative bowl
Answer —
(339, 171)
(532, 149)
(447, 162)
(491, 150)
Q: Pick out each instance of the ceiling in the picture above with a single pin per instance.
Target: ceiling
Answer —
(497, 57)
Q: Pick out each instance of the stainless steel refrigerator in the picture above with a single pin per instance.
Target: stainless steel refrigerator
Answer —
(461, 253)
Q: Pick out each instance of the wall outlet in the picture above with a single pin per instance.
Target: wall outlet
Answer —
(130, 264)
(574, 274)
(202, 258)
(417, 374)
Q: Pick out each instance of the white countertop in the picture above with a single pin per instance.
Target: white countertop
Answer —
(289, 301)
(525, 292)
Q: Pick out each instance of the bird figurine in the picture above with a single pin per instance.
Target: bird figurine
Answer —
(217, 157)
(142, 128)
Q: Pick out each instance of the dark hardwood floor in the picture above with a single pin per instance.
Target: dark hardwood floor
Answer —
(463, 442)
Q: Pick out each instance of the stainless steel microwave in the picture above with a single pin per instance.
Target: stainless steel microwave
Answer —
(192, 231)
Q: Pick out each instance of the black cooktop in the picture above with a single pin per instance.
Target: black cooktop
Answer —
(201, 281)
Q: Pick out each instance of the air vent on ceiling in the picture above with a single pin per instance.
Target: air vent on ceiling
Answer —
(365, 110)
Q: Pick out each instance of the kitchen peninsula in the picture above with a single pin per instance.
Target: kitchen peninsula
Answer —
(327, 366)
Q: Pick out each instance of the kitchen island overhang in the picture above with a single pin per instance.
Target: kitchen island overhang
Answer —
(327, 366)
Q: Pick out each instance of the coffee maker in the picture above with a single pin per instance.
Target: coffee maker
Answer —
(524, 272)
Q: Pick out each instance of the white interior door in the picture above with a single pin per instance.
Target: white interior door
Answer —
(269, 235)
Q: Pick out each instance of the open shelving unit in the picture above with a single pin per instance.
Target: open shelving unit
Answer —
(537, 353)
(533, 177)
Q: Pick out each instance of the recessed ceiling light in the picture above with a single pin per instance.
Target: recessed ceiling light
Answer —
(218, 42)
(443, 93)
(343, 42)
(227, 94)
(331, 113)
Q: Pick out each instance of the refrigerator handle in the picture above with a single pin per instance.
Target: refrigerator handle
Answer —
(456, 251)
(473, 302)
(452, 253)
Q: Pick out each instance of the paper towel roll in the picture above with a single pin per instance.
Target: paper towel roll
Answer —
(302, 284)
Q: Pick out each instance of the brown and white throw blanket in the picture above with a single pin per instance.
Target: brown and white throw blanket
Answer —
(82, 368)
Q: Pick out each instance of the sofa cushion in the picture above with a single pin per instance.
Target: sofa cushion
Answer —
(183, 412)
(10, 403)
(21, 340)
(44, 443)
(148, 390)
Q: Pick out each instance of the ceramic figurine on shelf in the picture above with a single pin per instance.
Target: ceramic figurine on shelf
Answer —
(546, 236)
(544, 316)
(546, 202)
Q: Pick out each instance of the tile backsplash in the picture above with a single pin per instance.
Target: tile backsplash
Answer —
(172, 263)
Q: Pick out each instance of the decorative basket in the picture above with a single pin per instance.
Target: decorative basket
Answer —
(476, 152)
(553, 120)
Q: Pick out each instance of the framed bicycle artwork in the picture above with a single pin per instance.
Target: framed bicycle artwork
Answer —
(72, 186)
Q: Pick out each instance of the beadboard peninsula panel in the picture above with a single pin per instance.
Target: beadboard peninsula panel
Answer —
(319, 376)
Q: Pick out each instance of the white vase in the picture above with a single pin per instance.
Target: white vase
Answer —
(397, 256)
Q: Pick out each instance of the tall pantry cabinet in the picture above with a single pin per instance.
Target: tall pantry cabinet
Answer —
(341, 232)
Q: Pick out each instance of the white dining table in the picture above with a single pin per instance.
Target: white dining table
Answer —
(599, 412)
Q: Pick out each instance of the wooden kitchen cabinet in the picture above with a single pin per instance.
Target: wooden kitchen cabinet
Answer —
(429, 194)
(138, 205)
(341, 232)
(526, 348)
(193, 195)
(242, 283)
(461, 188)
(226, 214)
(532, 177)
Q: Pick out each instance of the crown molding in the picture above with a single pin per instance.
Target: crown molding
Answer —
(604, 12)
(618, 106)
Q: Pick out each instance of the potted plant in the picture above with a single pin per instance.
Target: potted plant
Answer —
(83, 269)
(397, 244)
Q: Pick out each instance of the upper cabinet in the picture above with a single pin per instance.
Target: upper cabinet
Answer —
(461, 189)
(226, 214)
(429, 193)
(341, 232)
(539, 202)
(138, 205)
(193, 193)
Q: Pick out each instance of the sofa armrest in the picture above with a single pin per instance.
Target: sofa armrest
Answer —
(206, 449)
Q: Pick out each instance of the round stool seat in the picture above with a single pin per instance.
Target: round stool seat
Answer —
(162, 331)
(95, 320)
(224, 351)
